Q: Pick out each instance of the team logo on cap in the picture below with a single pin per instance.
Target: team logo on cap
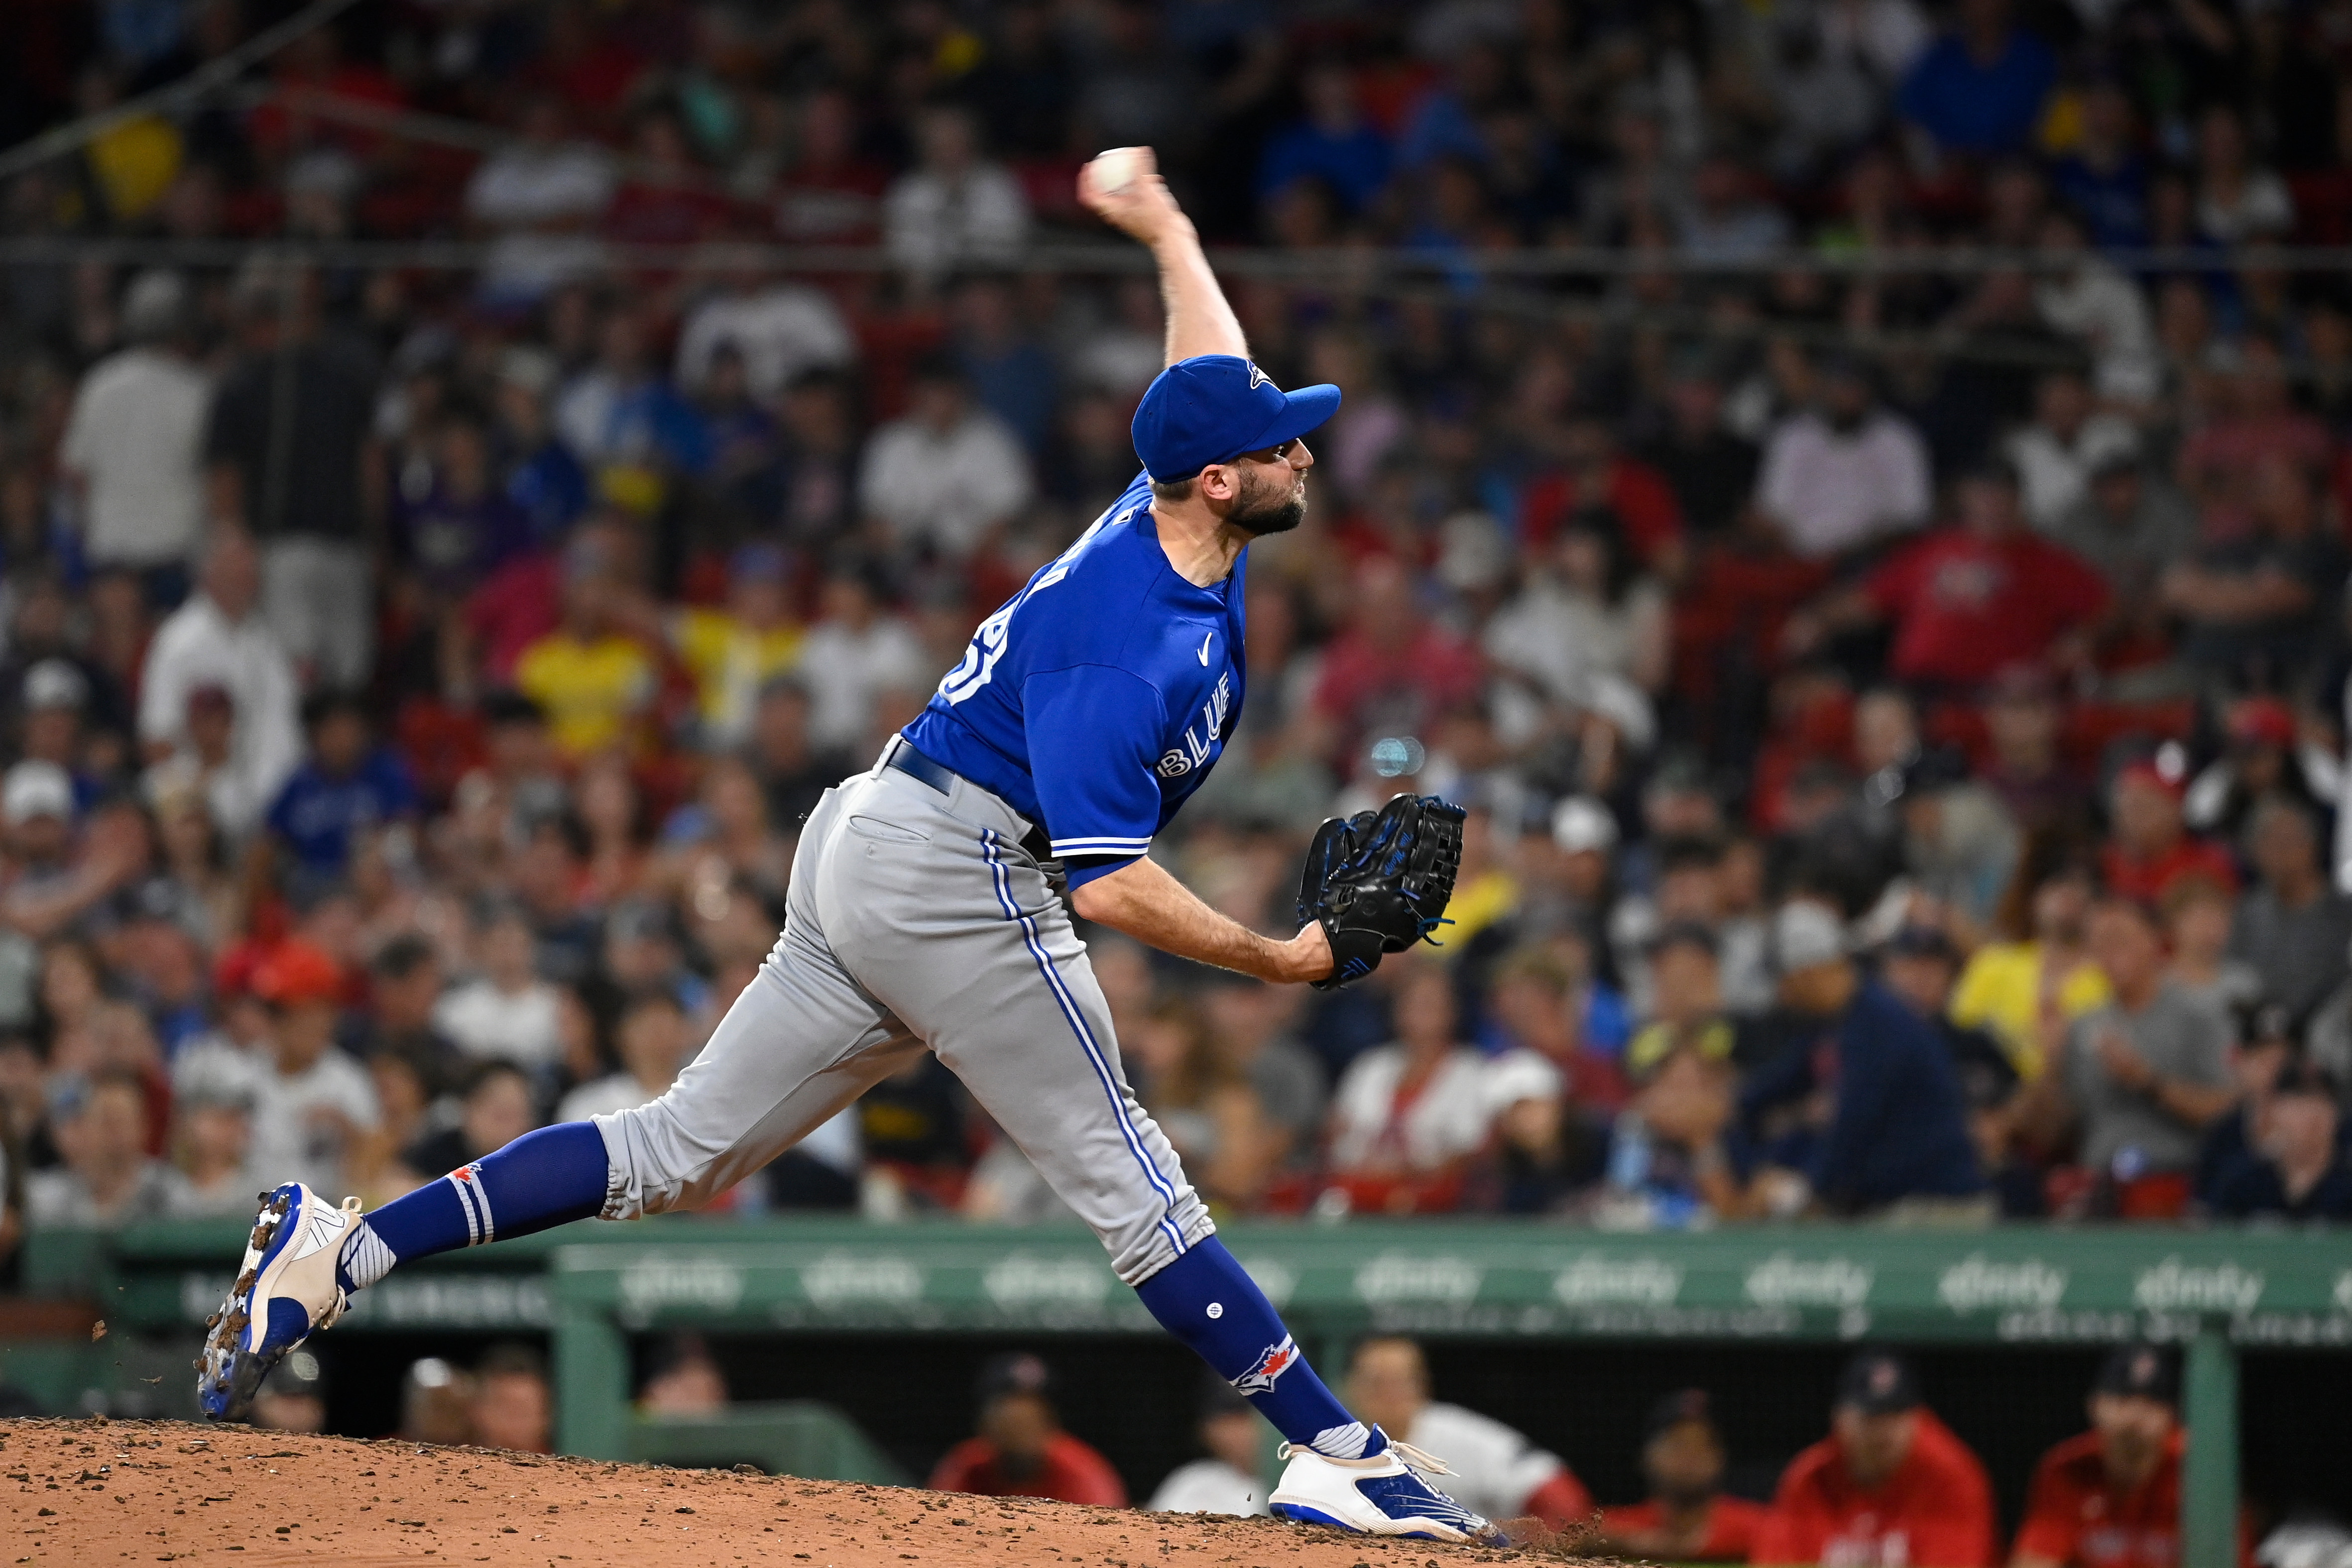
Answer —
(1272, 1363)
(1258, 378)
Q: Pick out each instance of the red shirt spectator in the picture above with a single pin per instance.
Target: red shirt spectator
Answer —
(2151, 847)
(1731, 1526)
(1599, 476)
(1067, 1471)
(2078, 1517)
(1969, 602)
(1021, 1449)
(1891, 1487)
(1392, 671)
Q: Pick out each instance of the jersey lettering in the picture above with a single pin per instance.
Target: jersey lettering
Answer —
(1198, 748)
(978, 665)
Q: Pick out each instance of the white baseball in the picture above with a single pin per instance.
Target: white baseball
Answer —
(1118, 170)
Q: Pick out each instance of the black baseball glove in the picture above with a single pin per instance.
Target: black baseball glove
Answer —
(1378, 881)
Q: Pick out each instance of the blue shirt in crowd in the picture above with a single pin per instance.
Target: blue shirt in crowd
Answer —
(1969, 106)
(1100, 696)
(317, 815)
(1900, 1126)
(1355, 165)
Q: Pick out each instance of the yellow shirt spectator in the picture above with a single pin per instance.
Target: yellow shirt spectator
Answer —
(731, 660)
(596, 691)
(2001, 990)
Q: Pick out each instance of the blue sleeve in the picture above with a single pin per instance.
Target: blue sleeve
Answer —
(1094, 734)
(281, 810)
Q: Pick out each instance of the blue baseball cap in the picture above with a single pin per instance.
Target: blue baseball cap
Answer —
(1212, 408)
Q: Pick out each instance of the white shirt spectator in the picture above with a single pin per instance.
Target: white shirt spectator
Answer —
(59, 1200)
(198, 645)
(2263, 208)
(529, 184)
(1448, 1120)
(1209, 1486)
(2054, 473)
(781, 333)
(294, 1135)
(932, 222)
(944, 487)
(847, 668)
(1832, 491)
(2105, 311)
(1496, 1469)
(523, 1027)
(136, 438)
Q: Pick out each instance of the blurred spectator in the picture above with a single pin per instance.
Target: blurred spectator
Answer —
(684, 1383)
(294, 461)
(1969, 601)
(2150, 847)
(595, 682)
(1890, 1483)
(653, 1044)
(212, 1142)
(2069, 441)
(943, 479)
(954, 207)
(346, 789)
(107, 1179)
(1407, 1115)
(506, 1013)
(1227, 1481)
(2292, 926)
(49, 880)
(1894, 1132)
(436, 1403)
(1844, 475)
(510, 1405)
(1393, 669)
(1331, 142)
(2198, 915)
(404, 991)
(2255, 1063)
(495, 1108)
(293, 1398)
(782, 330)
(855, 653)
(217, 645)
(315, 1113)
(735, 651)
(1493, 1471)
(2112, 1495)
(1689, 1517)
(2297, 1167)
(1021, 1449)
(135, 441)
(2145, 1075)
(1979, 90)
(2255, 603)
(2044, 796)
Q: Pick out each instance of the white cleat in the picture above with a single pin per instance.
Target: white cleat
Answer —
(1387, 1494)
(286, 1291)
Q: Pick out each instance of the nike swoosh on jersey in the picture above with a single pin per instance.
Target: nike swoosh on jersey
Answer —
(1204, 649)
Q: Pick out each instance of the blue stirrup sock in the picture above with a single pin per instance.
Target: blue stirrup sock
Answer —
(1204, 1299)
(541, 1180)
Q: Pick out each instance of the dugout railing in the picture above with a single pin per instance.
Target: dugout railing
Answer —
(593, 1289)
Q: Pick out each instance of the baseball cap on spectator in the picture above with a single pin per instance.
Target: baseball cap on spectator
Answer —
(1805, 934)
(294, 973)
(33, 789)
(1877, 1383)
(1581, 823)
(299, 1374)
(2301, 1075)
(2139, 1372)
(1212, 408)
(1015, 1372)
(155, 306)
(1686, 933)
(1683, 1407)
(1472, 553)
(2261, 721)
(55, 684)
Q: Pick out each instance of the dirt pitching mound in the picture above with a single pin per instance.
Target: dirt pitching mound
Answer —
(89, 1493)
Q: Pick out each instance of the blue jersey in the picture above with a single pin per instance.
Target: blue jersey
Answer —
(1100, 696)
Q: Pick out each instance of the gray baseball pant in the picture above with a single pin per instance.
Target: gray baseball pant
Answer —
(916, 921)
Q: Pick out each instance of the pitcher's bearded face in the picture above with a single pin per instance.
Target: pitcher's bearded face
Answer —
(1270, 505)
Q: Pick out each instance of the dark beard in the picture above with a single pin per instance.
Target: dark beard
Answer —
(1258, 514)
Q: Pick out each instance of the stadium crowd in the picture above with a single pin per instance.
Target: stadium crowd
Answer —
(1900, 710)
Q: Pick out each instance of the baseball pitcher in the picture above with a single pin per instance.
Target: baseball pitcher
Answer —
(922, 917)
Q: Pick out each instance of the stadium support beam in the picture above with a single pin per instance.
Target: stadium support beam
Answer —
(2208, 1492)
(592, 1383)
